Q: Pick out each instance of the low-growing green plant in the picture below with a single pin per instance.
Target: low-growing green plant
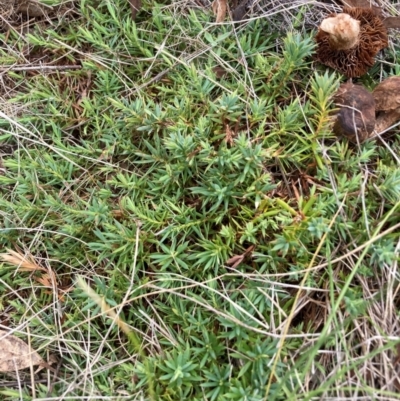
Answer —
(187, 171)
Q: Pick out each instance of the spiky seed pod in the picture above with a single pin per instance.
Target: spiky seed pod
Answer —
(356, 117)
(349, 42)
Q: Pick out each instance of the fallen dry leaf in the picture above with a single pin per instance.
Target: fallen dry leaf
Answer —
(239, 12)
(15, 353)
(387, 103)
(389, 22)
(360, 4)
(136, 5)
(32, 9)
(392, 22)
(353, 3)
(219, 8)
(356, 117)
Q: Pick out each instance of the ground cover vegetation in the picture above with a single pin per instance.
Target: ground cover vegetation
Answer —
(178, 221)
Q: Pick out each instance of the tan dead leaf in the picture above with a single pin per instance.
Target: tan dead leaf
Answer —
(387, 103)
(23, 262)
(362, 4)
(219, 8)
(357, 3)
(15, 353)
(392, 22)
(136, 5)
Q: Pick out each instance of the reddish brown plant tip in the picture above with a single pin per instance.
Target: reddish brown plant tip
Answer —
(356, 117)
(387, 103)
(349, 42)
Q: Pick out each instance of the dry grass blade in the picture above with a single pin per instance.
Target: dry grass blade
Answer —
(15, 354)
(45, 280)
(26, 263)
(135, 7)
(23, 262)
(219, 8)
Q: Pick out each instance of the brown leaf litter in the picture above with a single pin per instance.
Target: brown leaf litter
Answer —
(387, 103)
(27, 8)
(356, 117)
(363, 114)
(15, 354)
